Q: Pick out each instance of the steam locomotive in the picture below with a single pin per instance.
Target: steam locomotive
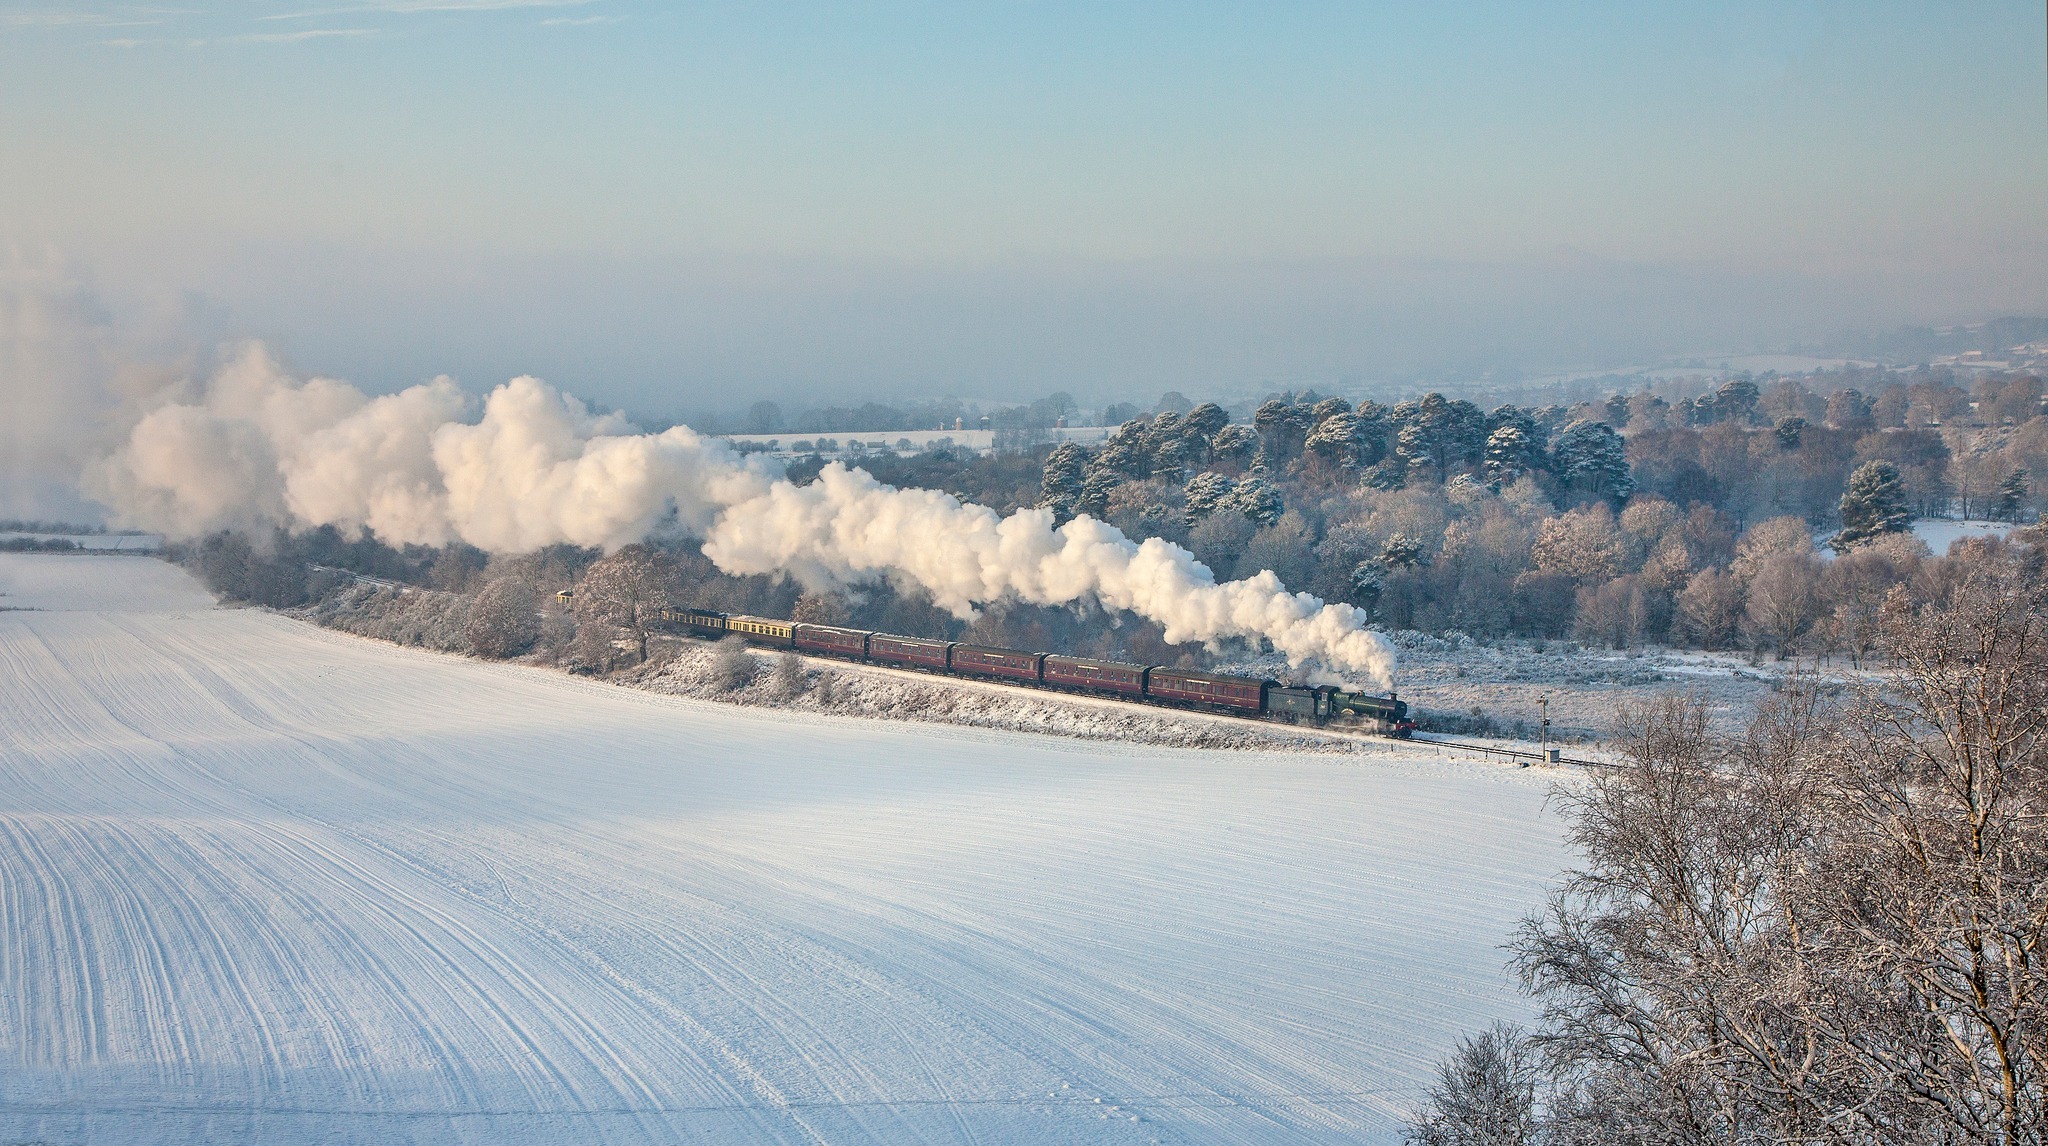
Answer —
(1239, 695)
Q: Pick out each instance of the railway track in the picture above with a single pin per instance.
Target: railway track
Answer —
(1338, 732)
(1548, 756)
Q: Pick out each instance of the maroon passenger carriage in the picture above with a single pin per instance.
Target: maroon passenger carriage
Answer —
(832, 639)
(1212, 690)
(1006, 664)
(1096, 676)
(909, 652)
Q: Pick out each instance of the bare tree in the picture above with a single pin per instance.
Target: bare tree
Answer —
(627, 590)
(1782, 601)
(1831, 928)
(591, 649)
(1666, 966)
(1710, 608)
(789, 675)
(504, 620)
(1938, 884)
(1485, 1094)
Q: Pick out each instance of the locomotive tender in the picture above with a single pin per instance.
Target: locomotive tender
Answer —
(1241, 695)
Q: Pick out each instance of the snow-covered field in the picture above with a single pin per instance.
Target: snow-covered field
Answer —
(1941, 532)
(261, 881)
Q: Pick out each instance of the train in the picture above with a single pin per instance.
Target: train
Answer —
(1154, 684)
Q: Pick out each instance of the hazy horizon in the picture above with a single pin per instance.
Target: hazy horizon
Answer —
(662, 209)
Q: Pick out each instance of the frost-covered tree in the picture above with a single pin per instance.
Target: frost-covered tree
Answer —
(1335, 438)
(1592, 461)
(1368, 580)
(1128, 451)
(626, 591)
(1401, 551)
(1326, 409)
(1439, 434)
(1824, 927)
(1789, 431)
(789, 675)
(1060, 490)
(1258, 501)
(1782, 599)
(1100, 484)
(1205, 421)
(1281, 427)
(1206, 493)
(1233, 443)
(1387, 474)
(1584, 545)
(1509, 454)
(1735, 401)
(1485, 1094)
(1872, 506)
(1709, 609)
(504, 620)
(733, 665)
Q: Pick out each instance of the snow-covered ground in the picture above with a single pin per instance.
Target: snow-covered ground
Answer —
(1941, 532)
(261, 881)
(1506, 682)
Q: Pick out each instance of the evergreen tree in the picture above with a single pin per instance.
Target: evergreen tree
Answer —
(1872, 506)
(1281, 427)
(1439, 433)
(1591, 459)
(1508, 455)
(1198, 430)
(1233, 443)
(1061, 488)
(1335, 438)
(1096, 486)
(1790, 432)
(1326, 409)
(1128, 451)
(1388, 474)
(1736, 400)
(1403, 552)
(2012, 496)
(1206, 493)
(1205, 420)
(1368, 581)
(1372, 432)
(1258, 501)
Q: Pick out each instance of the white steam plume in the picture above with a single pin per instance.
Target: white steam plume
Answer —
(848, 527)
(538, 467)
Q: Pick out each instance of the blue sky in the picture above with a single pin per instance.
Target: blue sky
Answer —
(666, 204)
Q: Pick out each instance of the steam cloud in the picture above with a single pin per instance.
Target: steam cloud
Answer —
(538, 467)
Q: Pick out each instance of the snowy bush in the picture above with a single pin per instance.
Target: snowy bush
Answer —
(732, 665)
(504, 620)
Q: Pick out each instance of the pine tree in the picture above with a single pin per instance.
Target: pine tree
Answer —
(2012, 495)
(1061, 489)
(1591, 458)
(1509, 455)
(1257, 500)
(1206, 493)
(1873, 505)
(1336, 437)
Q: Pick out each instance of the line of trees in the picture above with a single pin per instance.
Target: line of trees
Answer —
(1687, 520)
(1430, 514)
(459, 599)
(1831, 927)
